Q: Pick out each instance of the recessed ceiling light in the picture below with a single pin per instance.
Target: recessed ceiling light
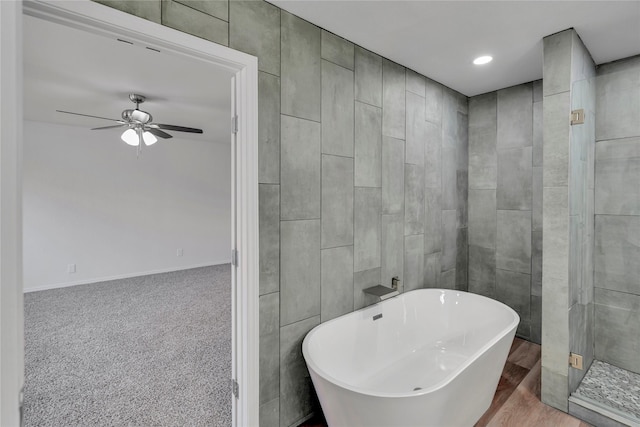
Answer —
(481, 60)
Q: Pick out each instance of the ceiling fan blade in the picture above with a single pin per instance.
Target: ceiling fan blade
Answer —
(176, 128)
(88, 115)
(159, 133)
(108, 127)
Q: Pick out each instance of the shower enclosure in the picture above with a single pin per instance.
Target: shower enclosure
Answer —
(604, 246)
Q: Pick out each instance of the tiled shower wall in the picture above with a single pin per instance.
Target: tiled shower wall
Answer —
(363, 176)
(565, 213)
(617, 207)
(505, 201)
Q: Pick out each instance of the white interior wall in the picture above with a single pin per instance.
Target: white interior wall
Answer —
(89, 201)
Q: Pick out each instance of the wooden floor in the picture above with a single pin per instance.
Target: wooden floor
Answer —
(517, 399)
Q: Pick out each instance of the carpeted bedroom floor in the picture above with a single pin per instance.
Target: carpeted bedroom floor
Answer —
(146, 351)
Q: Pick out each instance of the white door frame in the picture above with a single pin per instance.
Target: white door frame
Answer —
(90, 16)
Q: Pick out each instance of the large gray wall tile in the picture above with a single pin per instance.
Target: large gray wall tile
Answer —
(367, 228)
(536, 263)
(416, 83)
(449, 240)
(368, 145)
(462, 141)
(432, 270)
(300, 169)
(337, 201)
(617, 253)
(617, 176)
(416, 129)
(299, 270)
(448, 279)
(449, 116)
(255, 29)
(618, 105)
(216, 8)
(433, 156)
(337, 110)
(336, 282)
(268, 128)
(555, 389)
(537, 90)
(482, 218)
(483, 160)
(537, 134)
(433, 101)
(413, 199)
(432, 220)
(413, 262)
(300, 68)
(482, 271)
(536, 319)
(513, 243)
(269, 347)
(514, 179)
(462, 191)
(555, 248)
(617, 316)
(337, 50)
(557, 63)
(392, 249)
(296, 389)
(392, 175)
(513, 289)
(269, 226)
(362, 280)
(368, 77)
(270, 413)
(449, 178)
(393, 99)
(515, 117)
(536, 199)
(462, 259)
(149, 10)
(556, 140)
(189, 20)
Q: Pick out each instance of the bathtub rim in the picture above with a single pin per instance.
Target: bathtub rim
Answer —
(311, 364)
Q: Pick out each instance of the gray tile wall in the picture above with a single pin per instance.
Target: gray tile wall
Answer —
(362, 171)
(566, 263)
(617, 214)
(505, 201)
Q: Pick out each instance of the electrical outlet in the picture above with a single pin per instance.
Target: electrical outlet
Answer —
(179, 252)
(71, 268)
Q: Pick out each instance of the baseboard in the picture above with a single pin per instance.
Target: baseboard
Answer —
(120, 276)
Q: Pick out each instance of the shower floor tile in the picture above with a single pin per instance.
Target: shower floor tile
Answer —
(612, 387)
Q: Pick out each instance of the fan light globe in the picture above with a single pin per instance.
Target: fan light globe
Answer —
(149, 138)
(130, 137)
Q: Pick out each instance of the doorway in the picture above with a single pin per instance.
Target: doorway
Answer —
(97, 19)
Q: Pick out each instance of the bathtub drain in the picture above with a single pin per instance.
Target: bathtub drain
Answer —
(417, 388)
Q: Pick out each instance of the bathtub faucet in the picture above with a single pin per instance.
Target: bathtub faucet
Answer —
(381, 292)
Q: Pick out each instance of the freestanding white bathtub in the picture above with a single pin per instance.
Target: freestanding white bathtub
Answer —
(429, 357)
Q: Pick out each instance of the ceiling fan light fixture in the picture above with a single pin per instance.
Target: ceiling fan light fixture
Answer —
(149, 138)
(130, 136)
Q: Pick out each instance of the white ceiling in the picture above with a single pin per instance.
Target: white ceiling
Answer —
(73, 70)
(441, 38)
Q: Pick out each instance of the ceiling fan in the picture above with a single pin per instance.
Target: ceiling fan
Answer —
(139, 124)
